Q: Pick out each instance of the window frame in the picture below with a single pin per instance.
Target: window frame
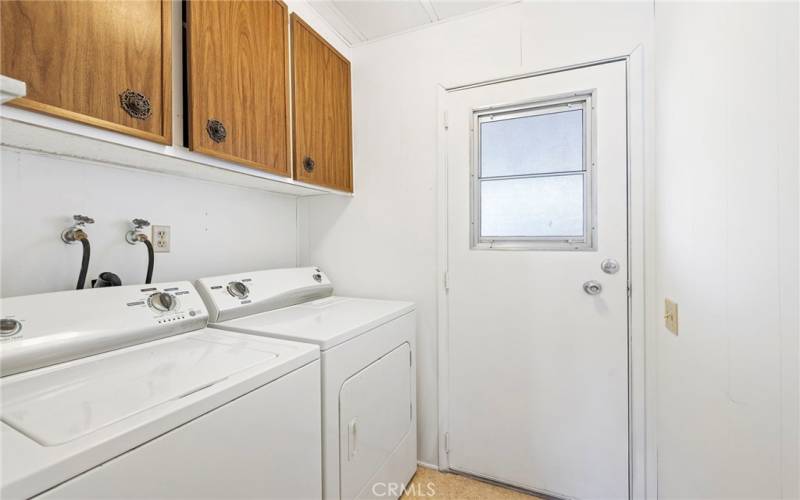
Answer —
(547, 105)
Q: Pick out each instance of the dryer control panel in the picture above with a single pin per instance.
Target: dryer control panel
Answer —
(50, 328)
(236, 295)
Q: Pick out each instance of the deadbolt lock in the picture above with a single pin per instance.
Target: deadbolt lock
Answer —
(610, 266)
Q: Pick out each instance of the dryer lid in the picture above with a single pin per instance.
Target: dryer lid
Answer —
(326, 322)
(59, 404)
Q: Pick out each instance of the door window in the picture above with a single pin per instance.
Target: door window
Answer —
(532, 168)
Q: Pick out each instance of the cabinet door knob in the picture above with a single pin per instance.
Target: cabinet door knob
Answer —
(308, 164)
(216, 130)
(135, 104)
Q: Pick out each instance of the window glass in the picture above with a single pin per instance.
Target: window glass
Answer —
(550, 206)
(537, 144)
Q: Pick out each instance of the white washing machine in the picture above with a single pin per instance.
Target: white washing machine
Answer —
(368, 374)
(123, 393)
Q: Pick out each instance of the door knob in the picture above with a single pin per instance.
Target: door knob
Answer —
(593, 287)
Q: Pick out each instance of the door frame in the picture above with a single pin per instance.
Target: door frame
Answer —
(639, 265)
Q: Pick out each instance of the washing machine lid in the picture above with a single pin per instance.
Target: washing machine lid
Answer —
(55, 405)
(326, 322)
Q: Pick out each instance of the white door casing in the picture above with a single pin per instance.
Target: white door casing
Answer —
(537, 370)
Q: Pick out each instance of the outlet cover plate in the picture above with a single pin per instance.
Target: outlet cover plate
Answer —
(671, 316)
(161, 238)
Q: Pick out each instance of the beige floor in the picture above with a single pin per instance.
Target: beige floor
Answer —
(429, 483)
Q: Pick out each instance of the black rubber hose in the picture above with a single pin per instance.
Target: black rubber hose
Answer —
(84, 264)
(150, 259)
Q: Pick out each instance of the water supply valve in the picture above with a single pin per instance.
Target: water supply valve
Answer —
(136, 235)
(75, 232)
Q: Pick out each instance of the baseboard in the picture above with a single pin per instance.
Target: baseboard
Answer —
(427, 465)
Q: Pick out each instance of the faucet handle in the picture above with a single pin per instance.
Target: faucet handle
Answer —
(80, 220)
(140, 223)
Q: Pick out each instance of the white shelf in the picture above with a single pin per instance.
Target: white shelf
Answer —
(11, 89)
(25, 130)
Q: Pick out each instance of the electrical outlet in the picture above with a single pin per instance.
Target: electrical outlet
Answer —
(161, 238)
(671, 316)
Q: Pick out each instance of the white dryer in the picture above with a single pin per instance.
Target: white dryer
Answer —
(123, 393)
(368, 374)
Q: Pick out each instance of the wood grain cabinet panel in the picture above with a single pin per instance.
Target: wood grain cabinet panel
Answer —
(78, 57)
(323, 151)
(238, 81)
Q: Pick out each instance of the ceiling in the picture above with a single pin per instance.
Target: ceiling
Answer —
(360, 21)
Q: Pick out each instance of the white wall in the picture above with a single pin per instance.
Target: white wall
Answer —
(382, 242)
(216, 229)
(727, 245)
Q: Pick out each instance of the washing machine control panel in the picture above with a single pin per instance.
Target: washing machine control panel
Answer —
(40, 330)
(169, 304)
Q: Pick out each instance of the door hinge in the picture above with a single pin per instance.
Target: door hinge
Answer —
(444, 121)
(447, 442)
(445, 282)
(410, 363)
(629, 289)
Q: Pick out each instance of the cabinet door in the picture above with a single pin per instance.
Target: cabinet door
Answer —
(323, 151)
(79, 59)
(238, 82)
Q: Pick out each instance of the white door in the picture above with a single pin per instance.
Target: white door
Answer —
(538, 325)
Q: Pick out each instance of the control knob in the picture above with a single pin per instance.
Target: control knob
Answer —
(162, 301)
(238, 289)
(9, 327)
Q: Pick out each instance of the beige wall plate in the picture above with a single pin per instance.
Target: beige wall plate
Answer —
(671, 316)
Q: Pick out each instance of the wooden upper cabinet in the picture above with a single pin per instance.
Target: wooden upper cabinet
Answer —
(238, 81)
(323, 151)
(82, 60)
